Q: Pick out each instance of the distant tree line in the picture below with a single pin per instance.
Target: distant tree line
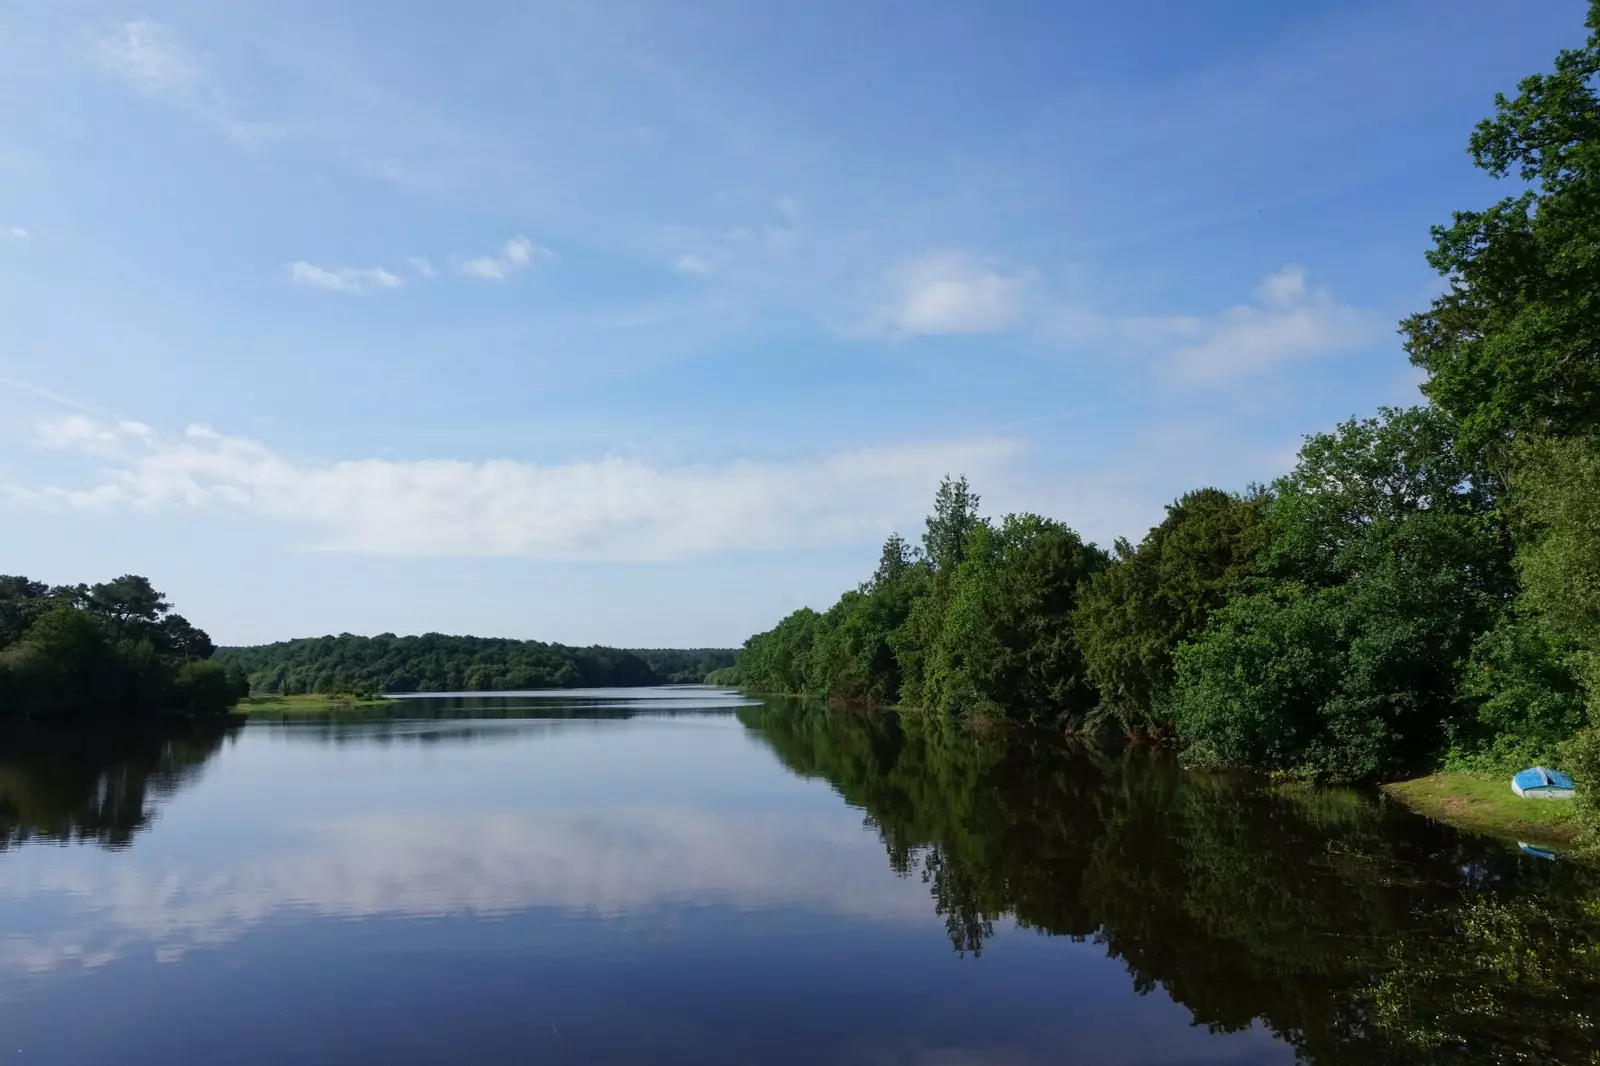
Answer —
(115, 651)
(435, 662)
(1422, 587)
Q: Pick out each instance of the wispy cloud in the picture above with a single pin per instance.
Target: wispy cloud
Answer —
(421, 264)
(954, 292)
(609, 508)
(155, 61)
(343, 279)
(514, 255)
(689, 263)
(53, 397)
(1290, 320)
(16, 233)
(1296, 322)
(149, 57)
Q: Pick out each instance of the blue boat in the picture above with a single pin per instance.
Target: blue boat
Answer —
(1537, 782)
(1536, 851)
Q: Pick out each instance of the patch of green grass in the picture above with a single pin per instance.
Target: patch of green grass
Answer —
(277, 706)
(1484, 803)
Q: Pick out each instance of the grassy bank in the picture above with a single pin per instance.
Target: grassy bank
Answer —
(278, 706)
(1484, 803)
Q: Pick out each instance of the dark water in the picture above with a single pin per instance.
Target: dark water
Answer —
(664, 876)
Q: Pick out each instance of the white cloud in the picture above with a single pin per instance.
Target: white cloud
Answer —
(343, 279)
(1285, 288)
(1291, 320)
(689, 263)
(608, 508)
(149, 57)
(17, 232)
(515, 254)
(421, 264)
(952, 292)
(1298, 322)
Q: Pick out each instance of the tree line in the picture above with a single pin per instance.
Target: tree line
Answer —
(435, 662)
(115, 651)
(1422, 586)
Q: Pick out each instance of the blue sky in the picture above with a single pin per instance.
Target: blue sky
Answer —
(644, 323)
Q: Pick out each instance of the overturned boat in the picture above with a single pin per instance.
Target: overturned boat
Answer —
(1537, 782)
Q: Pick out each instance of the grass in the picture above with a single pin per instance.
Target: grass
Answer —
(280, 706)
(1484, 803)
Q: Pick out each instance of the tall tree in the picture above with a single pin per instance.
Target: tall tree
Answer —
(1132, 616)
(1513, 348)
(950, 526)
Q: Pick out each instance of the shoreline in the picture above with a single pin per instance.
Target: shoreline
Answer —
(288, 706)
(1484, 803)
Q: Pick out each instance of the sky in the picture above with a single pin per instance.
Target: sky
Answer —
(644, 323)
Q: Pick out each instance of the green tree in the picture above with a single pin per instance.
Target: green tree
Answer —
(1133, 615)
(1511, 348)
(950, 526)
(1385, 564)
(1006, 644)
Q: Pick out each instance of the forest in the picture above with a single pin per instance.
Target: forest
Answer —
(113, 652)
(434, 662)
(1421, 589)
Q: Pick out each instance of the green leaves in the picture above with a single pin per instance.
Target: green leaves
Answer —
(1513, 349)
(1133, 615)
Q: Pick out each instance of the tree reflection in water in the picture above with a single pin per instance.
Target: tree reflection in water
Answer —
(1357, 932)
(100, 788)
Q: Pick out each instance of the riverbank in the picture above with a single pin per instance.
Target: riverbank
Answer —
(276, 706)
(1484, 803)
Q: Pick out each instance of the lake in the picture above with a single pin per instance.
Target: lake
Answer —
(684, 875)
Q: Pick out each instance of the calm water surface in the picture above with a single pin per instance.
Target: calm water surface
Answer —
(668, 876)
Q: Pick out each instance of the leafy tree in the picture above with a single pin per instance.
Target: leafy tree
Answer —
(435, 662)
(129, 606)
(1006, 645)
(1384, 566)
(1133, 615)
(1511, 348)
(955, 516)
(779, 660)
(112, 652)
(1557, 486)
(21, 602)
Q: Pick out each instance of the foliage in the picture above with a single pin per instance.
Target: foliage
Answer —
(111, 651)
(1527, 699)
(434, 662)
(1004, 644)
(979, 622)
(1510, 348)
(1133, 615)
(1557, 483)
(1384, 566)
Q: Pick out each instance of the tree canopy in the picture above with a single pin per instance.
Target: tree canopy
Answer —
(435, 662)
(114, 651)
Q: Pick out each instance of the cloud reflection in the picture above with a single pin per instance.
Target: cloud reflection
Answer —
(604, 864)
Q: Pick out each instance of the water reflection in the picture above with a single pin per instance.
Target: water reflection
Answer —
(62, 787)
(657, 853)
(1355, 932)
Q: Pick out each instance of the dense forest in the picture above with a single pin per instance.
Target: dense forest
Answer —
(435, 662)
(114, 652)
(1353, 933)
(1423, 587)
